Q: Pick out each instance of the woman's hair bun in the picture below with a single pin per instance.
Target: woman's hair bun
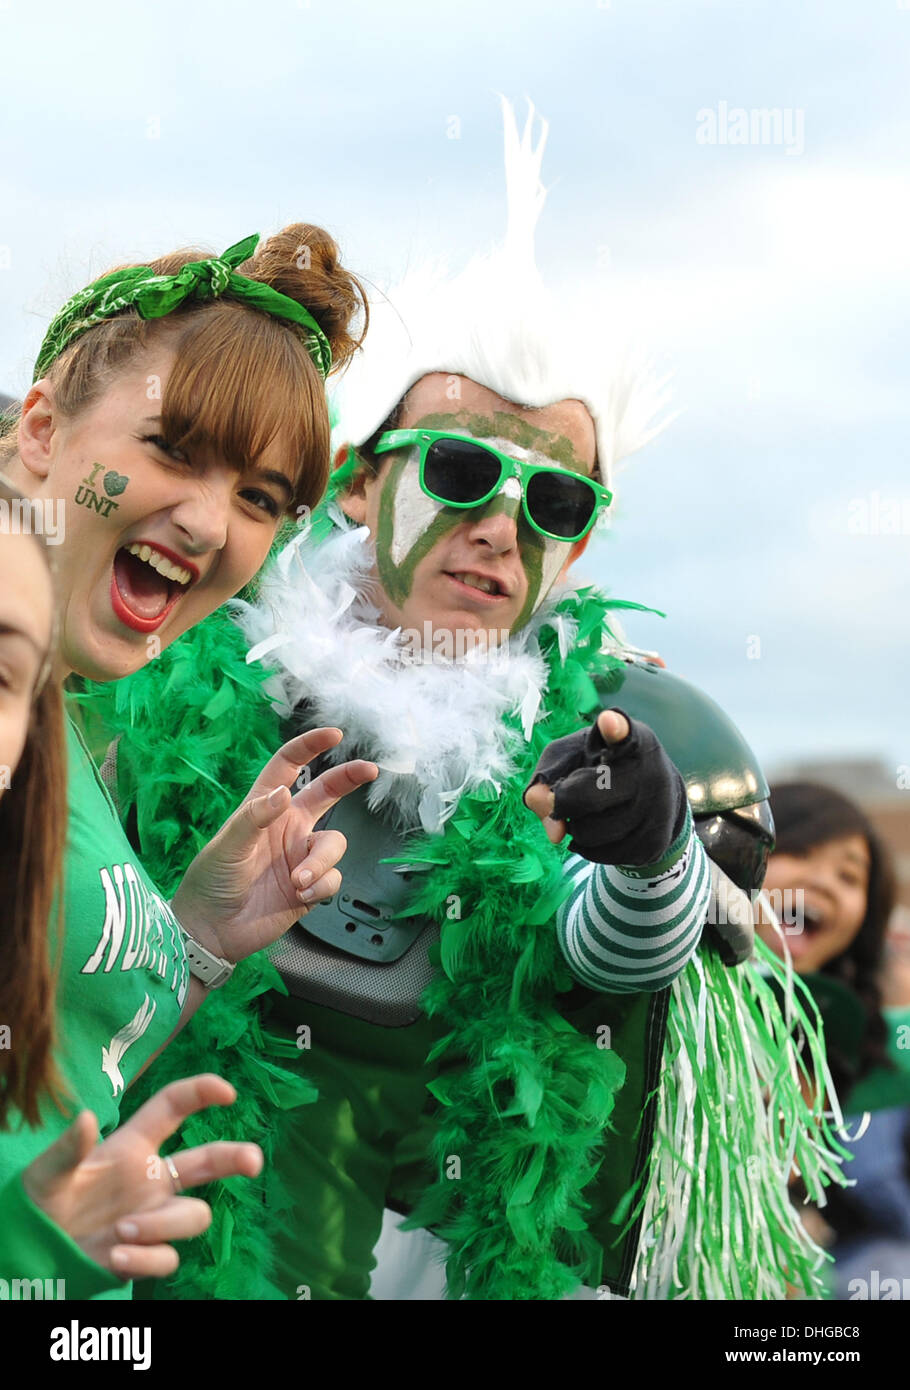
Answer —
(303, 261)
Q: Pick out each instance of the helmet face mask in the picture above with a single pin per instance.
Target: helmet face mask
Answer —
(741, 841)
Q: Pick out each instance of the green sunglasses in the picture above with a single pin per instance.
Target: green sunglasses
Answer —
(462, 472)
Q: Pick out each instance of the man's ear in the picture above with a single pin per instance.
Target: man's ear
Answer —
(353, 501)
(37, 429)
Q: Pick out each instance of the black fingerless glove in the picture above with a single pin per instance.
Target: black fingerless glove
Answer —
(623, 803)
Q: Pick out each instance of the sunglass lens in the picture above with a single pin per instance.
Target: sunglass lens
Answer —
(458, 471)
(561, 503)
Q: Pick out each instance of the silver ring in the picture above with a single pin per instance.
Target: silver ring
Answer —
(175, 1176)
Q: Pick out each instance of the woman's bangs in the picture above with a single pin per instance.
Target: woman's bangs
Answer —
(239, 382)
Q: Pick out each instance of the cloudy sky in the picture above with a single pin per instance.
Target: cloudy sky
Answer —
(765, 261)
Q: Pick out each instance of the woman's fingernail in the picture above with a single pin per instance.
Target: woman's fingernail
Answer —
(127, 1230)
(119, 1258)
(307, 895)
(304, 879)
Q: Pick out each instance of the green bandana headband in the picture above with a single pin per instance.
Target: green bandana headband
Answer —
(153, 296)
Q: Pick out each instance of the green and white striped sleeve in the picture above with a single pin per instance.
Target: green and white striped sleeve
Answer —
(628, 929)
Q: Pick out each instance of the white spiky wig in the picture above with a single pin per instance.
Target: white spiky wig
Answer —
(496, 324)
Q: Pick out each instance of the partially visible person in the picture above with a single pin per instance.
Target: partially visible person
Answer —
(832, 880)
(33, 813)
(79, 1212)
(177, 416)
(832, 874)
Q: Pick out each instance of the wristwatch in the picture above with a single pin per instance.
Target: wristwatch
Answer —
(212, 970)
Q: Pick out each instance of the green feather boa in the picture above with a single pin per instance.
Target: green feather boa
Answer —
(525, 1112)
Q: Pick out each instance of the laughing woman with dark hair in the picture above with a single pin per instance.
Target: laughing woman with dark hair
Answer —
(828, 852)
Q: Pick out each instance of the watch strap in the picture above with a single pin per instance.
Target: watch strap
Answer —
(210, 969)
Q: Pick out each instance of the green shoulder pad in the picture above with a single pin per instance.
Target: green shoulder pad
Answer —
(719, 769)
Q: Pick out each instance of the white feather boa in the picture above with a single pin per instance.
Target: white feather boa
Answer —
(434, 726)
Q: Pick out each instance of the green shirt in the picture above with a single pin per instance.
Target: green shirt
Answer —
(122, 984)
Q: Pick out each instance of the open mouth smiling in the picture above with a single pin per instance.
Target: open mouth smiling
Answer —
(814, 920)
(147, 580)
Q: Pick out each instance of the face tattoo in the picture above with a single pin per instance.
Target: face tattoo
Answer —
(87, 496)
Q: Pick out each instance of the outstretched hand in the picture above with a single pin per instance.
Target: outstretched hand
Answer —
(119, 1200)
(613, 727)
(613, 788)
(267, 866)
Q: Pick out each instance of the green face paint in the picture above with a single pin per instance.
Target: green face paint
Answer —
(532, 556)
(410, 524)
(503, 424)
(418, 528)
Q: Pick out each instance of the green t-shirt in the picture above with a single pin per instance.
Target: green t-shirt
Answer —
(123, 976)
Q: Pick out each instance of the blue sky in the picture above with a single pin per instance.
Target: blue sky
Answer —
(771, 278)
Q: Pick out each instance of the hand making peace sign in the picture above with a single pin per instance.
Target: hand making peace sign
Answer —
(267, 866)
